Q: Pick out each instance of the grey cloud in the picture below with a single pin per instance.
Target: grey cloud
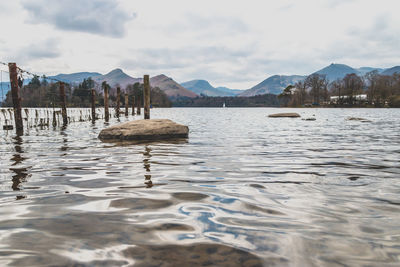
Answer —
(209, 26)
(181, 58)
(381, 39)
(102, 17)
(46, 49)
(336, 3)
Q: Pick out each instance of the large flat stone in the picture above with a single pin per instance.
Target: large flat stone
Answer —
(160, 129)
(284, 115)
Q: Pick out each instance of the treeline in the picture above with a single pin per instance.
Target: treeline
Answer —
(371, 90)
(40, 93)
(267, 100)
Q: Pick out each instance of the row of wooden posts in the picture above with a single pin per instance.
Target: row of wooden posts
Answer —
(63, 100)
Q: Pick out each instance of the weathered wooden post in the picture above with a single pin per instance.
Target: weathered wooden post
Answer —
(126, 105)
(138, 107)
(106, 113)
(93, 105)
(54, 117)
(133, 105)
(146, 97)
(16, 98)
(63, 100)
(118, 101)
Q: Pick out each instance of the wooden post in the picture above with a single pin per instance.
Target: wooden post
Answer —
(133, 105)
(16, 98)
(106, 114)
(146, 96)
(118, 101)
(93, 105)
(138, 107)
(126, 105)
(63, 100)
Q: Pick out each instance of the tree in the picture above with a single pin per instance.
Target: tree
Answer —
(371, 80)
(301, 87)
(286, 95)
(318, 84)
(352, 85)
(337, 89)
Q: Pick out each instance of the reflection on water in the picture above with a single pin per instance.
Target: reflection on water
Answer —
(146, 163)
(20, 173)
(244, 190)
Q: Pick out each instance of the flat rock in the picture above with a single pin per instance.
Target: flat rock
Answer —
(284, 115)
(159, 129)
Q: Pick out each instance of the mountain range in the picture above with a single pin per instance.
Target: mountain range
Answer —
(117, 77)
(277, 83)
(272, 85)
(205, 88)
(75, 77)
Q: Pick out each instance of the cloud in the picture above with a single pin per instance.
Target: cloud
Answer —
(337, 3)
(181, 58)
(206, 25)
(101, 17)
(47, 49)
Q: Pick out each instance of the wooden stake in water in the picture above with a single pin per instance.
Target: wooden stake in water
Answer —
(106, 113)
(146, 96)
(15, 98)
(118, 101)
(126, 105)
(138, 107)
(133, 105)
(93, 105)
(63, 101)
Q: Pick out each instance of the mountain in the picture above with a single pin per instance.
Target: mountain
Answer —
(273, 85)
(205, 88)
(75, 77)
(115, 77)
(365, 70)
(228, 90)
(336, 71)
(391, 71)
(4, 88)
(170, 87)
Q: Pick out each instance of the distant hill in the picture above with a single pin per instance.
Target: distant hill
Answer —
(171, 87)
(115, 77)
(336, 71)
(273, 85)
(205, 88)
(391, 71)
(228, 90)
(365, 70)
(75, 78)
(4, 88)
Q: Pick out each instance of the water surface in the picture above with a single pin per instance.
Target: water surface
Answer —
(243, 190)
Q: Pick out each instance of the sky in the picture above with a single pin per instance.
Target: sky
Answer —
(229, 43)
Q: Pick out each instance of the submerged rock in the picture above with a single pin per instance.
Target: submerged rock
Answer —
(159, 129)
(357, 119)
(284, 115)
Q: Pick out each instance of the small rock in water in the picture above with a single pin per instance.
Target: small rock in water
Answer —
(357, 119)
(284, 115)
(309, 119)
(159, 129)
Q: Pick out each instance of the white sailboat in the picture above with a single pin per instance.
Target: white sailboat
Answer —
(223, 105)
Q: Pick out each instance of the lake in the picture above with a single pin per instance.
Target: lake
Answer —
(243, 190)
